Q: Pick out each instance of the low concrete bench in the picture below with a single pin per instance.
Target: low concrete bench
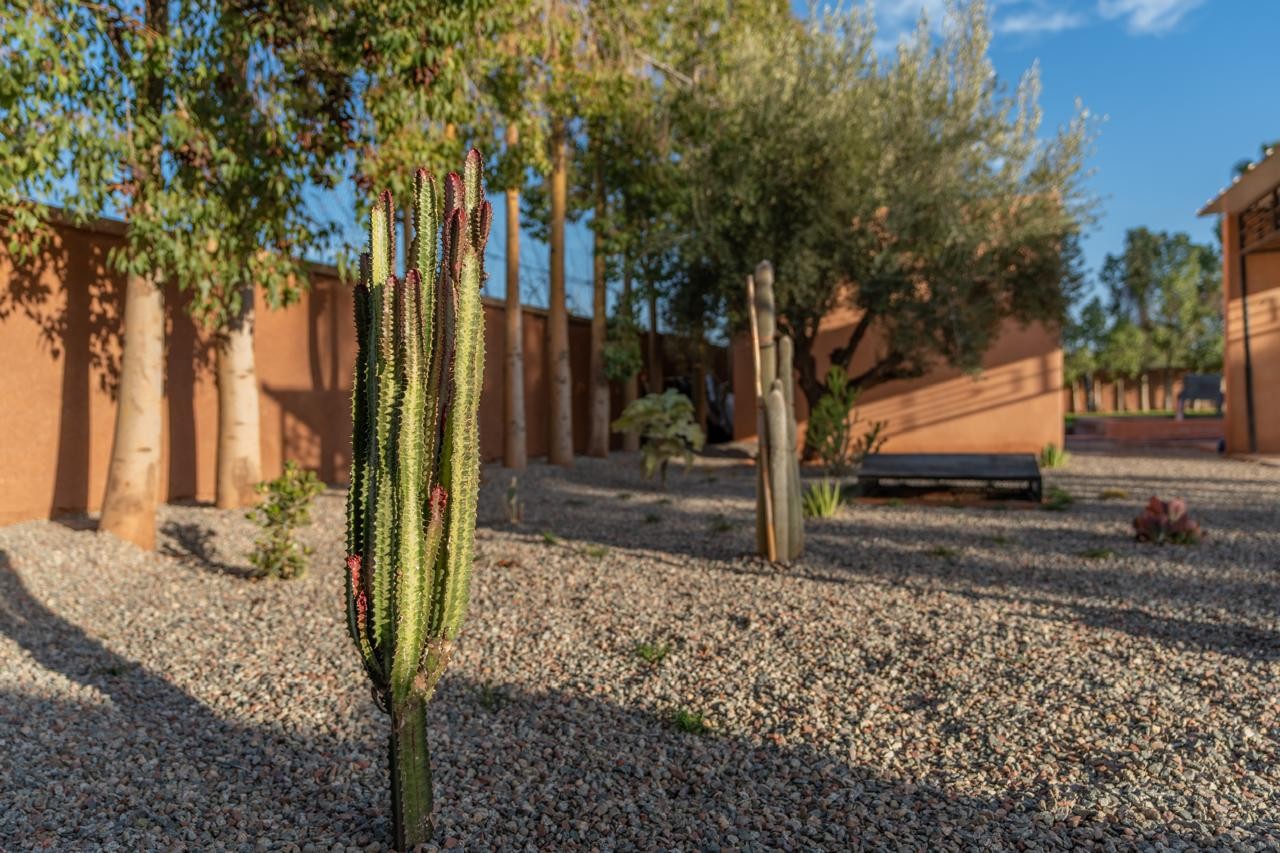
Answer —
(990, 471)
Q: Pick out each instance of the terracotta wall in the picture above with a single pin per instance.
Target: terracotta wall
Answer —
(59, 357)
(1108, 393)
(1263, 275)
(1014, 405)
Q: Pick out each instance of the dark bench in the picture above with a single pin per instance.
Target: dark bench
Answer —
(990, 471)
(1201, 386)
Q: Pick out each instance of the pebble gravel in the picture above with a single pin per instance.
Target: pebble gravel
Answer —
(930, 677)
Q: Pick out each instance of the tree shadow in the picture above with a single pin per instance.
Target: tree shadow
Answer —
(196, 545)
(552, 769)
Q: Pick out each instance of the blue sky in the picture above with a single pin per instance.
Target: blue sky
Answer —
(1186, 88)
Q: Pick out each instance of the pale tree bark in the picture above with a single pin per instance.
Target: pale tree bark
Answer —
(514, 440)
(630, 387)
(1120, 401)
(655, 350)
(560, 398)
(239, 422)
(598, 434)
(1144, 392)
(700, 404)
(133, 476)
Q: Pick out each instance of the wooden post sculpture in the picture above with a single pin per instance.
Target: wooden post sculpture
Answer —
(779, 514)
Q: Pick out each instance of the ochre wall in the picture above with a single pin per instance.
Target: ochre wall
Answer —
(1014, 405)
(1263, 275)
(59, 358)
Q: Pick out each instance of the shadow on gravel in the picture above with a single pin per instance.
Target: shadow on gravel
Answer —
(195, 545)
(152, 767)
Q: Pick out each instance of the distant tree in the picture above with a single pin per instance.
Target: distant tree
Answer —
(1123, 355)
(1083, 340)
(913, 192)
(1169, 288)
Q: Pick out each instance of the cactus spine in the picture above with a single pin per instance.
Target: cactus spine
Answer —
(778, 438)
(415, 468)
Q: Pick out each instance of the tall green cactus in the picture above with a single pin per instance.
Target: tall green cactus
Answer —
(415, 463)
(778, 444)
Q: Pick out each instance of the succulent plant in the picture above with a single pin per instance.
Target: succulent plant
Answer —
(1167, 521)
(777, 463)
(415, 468)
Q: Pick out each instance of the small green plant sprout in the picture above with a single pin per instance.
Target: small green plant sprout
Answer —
(944, 551)
(1097, 553)
(1053, 456)
(490, 697)
(831, 434)
(1112, 495)
(550, 538)
(1167, 521)
(667, 430)
(512, 506)
(286, 506)
(652, 653)
(822, 499)
(1059, 499)
(895, 502)
(596, 552)
(720, 524)
(690, 722)
(652, 518)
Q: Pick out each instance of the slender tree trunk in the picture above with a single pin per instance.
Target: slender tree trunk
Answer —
(133, 477)
(515, 442)
(1144, 392)
(1168, 387)
(655, 383)
(700, 381)
(239, 435)
(1120, 394)
(560, 437)
(1075, 396)
(598, 434)
(631, 387)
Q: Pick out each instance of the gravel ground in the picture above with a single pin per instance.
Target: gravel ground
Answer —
(928, 678)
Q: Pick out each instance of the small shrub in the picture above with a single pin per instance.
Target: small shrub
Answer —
(821, 500)
(623, 496)
(1097, 553)
(895, 502)
(691, 722)
(1167, 521)
(652, 653)
(944, 551)
(1059, 499)
(596, 552)
(720, 524)
(652, 518)
(1112, 495)
(1001, 540)
(550, 538)
(490, 698)
(285, 507)
(830, 434)
(512, 506)
(667, 430)
(1053, 456)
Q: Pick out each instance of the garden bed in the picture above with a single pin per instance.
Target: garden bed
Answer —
(631, 678)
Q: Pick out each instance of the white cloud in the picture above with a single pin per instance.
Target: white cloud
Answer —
(1147, 16)
(1039, 21)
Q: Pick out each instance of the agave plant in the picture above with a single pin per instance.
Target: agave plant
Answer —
(1167, 521)
(822, 499)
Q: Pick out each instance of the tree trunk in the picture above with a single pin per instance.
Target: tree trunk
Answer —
(655, 383)
(514, 440)
(133, 477)
(1168, 387)
(1120, 407)
(1075, 395)
(239, 436)
(1144, 392)
(631, 387)
(700, 405)
(598, 432)
(560, 398)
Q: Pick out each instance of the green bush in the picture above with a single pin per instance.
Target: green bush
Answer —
(667, 430)
(1053, 456)
(831, 435)
(821, 500)
(285, 507)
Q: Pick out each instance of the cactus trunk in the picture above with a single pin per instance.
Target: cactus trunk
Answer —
(778, 429)
(411, 507)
